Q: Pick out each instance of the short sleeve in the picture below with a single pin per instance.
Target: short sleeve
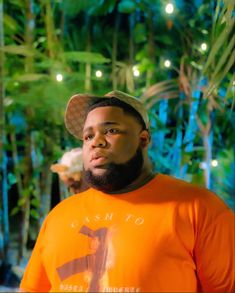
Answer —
(35, 278)
(214, 253)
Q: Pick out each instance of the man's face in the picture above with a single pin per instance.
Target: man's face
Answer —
(111, 147)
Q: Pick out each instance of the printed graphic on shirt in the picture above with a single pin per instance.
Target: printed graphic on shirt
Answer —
(111, 217)
(95, 265)
(77, 288)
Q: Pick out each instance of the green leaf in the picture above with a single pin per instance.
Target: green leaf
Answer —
(34, 214)
(31, 77)
(224, 57)
(21, 201)
(102, 7)
(126, 6)
(220, 41)
(14, 211)
(11, 178)
(73, 7)
(160, 88)
(35, 202)
(164, 39)
(85, 57)
(10, 22)
(140, 33)
(215, 83)
(18, 50)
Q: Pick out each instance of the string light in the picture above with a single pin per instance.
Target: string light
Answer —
(167, 63)
(203, 165)
(214, 163)
(98, 73)
(169, 8)
(136, 71)
(59, 77)
(204, 46)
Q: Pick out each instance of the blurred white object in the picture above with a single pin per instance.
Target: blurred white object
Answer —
(70, 163)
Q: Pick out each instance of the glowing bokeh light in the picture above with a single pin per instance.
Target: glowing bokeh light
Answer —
(169, 8)
(167, 63)
(59, 77)
(214, 163)
(136, 71)
(98, 73)
(204, 46)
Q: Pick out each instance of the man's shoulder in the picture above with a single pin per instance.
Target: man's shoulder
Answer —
(72, 201)
(174, 188)
(170, 183)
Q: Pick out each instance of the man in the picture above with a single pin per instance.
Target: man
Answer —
(133, 231)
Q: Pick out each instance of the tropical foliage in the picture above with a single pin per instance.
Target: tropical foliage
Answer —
(53, 49)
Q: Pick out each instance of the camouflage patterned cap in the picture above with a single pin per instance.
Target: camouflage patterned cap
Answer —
(77, 107)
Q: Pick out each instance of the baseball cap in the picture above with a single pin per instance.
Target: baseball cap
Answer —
(78, 105)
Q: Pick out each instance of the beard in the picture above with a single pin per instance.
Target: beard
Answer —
(117, 176)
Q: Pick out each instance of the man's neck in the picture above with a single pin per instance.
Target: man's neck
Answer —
(146, 175)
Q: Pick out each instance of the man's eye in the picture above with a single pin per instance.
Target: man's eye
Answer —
(112, 131)
(88, 137)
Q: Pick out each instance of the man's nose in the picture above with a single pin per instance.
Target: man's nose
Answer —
(99, 141)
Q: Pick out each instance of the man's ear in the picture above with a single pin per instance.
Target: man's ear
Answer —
(144, 138)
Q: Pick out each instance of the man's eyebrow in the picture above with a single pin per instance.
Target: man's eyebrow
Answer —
(107, 123)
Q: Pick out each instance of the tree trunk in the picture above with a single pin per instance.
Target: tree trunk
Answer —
(16, 162)
(19, 189)
(25, 209)
(4, 217)
(151, 48)
(207, 158)
(192, 126)
(114, 50)
(52, 42)
(177, 150)
(64, 193)
(88, 65)
(45, 196)
(207, 135)
(130, 78)
(162, 114)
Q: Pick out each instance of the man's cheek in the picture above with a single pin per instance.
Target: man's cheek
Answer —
(85, 165)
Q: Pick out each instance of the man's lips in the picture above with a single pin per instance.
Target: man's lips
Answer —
(98, 160)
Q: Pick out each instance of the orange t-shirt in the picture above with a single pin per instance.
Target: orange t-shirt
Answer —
(167, 236)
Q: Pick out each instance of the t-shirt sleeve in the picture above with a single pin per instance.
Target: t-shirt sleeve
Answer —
(214, 253)
(35, 278)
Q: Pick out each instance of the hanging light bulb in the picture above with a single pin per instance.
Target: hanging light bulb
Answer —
(136, 71)
(98, 73)
(203, 46)
(214, 163)
(59, 77)
(169, 8)
(167, 63)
